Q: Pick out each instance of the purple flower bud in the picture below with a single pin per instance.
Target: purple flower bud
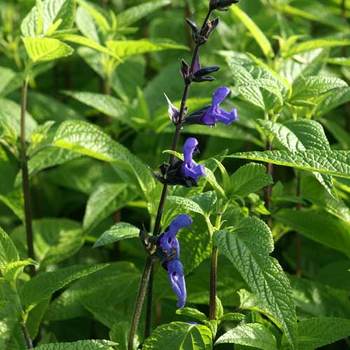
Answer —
(201, 74)
(214, 114)
(174, 113)
(190, 168)
(177, 281)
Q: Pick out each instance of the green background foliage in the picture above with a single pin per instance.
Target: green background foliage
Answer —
(275, 201)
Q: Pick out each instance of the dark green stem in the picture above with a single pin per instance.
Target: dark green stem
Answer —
(213, 283)
(25, 178)
(139, 301)
(27, 338)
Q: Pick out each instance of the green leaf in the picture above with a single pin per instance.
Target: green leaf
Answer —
(332, 100)
(248, 247)
(250, 178)
(134, 14)
(192, 313)
(105, 104)
(318, 332)
(319, 226)
(82, 344)
(118, 232)
(179, 336)
(126, 48)
(55, 239)
(252, 334)
(86, 24)
(87, 42)
(315, 44)
(97, 15)
(105, 200)
(312, 87)
(336, 163)
(8, 251)
(42, 286)
(10, 115)
(87, 139)
(41, 20)
(185, 204)
(46, 49)
(254, 30)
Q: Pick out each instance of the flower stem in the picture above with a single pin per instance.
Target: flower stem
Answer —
(25, 178)
(213, 283)
(27, 338)
(139, 301)
(157, 225)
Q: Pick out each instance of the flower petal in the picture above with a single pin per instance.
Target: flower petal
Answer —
(220, 94)
(177, 281)
(227, 117)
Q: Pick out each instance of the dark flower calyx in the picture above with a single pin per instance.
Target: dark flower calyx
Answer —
(185, 71)
(222, 5)
(194, 29)
(208, 28)
(202, 74)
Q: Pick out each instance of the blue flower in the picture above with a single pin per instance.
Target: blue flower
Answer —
(183, 172)
(213, 114)
(167, 241)
(177, 281)
(170, 256)
(190, 168)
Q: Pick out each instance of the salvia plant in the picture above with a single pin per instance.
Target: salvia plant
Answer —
(174, 174)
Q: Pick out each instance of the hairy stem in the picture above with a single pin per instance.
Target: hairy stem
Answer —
(139, 301)
(213, 283)
(27, 338)
(25, 178)
(157, 226)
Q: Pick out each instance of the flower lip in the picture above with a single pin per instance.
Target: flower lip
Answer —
(213, 114)
(177, 281)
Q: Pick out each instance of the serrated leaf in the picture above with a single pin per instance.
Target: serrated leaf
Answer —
(105, 104)
(126, 48)
(179, 336)
(87, 139)
(185, 204)
(39, 21)
(336, 163)
(95, 12)
(8, 251)
(249, 178)
(106, 199)
(192, 313)
(248, 247)
(312, 87)
(135, 13)
(118, 232)
(254, 30)
(10, 115)
(332, 100)
(78, 345)
(46, 49)
(318, 226)
(86, 24)
(42, 286)
(318, 332)
(55, 239)
(252, 334)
